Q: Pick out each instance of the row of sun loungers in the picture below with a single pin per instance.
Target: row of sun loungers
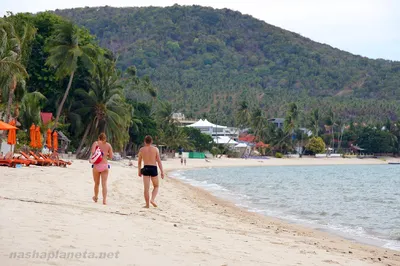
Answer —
(33, 159)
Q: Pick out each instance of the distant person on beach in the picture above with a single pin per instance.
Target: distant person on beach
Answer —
(184, 161)
(151, 157)
(45, 150)
(181, 161)
(101, 169)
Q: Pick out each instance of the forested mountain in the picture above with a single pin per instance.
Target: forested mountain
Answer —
(206, 60)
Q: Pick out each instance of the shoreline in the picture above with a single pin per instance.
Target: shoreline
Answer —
(359, 242)
(371, 241)
(50, 208)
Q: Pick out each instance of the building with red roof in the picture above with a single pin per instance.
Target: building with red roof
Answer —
(46, 117)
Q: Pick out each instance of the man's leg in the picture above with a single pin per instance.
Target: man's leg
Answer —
(96, 179)
(146, 186)
(104, 177)
(154, 180)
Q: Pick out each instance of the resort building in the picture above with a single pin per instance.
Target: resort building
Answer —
(278, 122)
(214, 130)
(182, 119)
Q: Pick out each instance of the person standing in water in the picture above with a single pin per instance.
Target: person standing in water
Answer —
(150, 157)
(101, 170)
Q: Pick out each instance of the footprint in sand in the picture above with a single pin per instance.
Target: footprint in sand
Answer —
(54, 236)
(331, 261)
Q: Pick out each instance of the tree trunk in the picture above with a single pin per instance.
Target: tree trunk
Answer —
(333, 139)
(83, 139)
(13, 85)
(60, 107)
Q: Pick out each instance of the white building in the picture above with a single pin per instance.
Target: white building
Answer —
(214, 130)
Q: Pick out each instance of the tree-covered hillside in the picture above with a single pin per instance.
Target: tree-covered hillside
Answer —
(205, 61)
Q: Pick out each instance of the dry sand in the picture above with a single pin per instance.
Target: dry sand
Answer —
(45, 210)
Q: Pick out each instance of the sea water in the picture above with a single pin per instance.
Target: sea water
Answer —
(359, 202)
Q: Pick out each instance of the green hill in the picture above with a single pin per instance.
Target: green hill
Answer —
(205, 60)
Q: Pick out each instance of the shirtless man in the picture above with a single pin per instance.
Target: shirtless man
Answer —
(151, 157)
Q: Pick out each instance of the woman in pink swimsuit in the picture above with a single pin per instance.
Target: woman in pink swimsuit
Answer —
(101, 169)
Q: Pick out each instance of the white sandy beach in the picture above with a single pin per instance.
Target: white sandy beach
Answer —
(48, 210)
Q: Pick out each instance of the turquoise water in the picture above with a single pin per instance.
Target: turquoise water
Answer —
(357, 202)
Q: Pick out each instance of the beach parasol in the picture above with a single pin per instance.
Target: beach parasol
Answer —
(38, 138)
(55, 141)
(5, 126)
(32, 135)
(12, 134)
(48, 138)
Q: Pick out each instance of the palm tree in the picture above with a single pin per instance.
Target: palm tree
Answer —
(279, 140)
(174, 137)
(104, 107)
(164, 116)
(330, 121)
(243, 115)
(65, 50)
(258, 123)
(243, 119)
(30, 108)
(15, 36)
(291, 121)
(314, 122)
(135, 84)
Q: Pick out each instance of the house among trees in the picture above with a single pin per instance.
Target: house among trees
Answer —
(278, 122)
(46, 117)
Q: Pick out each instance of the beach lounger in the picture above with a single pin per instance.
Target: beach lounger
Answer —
(27, 157)
(54, 156)
(7, 162)
(45, 162)
(35, 161)
(13, 162)
(55, 161)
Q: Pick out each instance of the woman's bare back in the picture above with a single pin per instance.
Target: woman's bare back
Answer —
(105, 148)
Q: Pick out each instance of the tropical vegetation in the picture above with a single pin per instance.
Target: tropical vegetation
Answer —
(49, 64)
(143, 64)
(206, 61)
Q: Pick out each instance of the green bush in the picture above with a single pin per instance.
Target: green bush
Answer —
(316, 145)
(215, 151)
(22, 139)
(278, 155)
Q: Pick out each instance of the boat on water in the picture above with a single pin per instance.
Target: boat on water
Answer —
(393, 162)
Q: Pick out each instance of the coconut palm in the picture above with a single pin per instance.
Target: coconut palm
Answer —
(174, 137)
(314, 122)
(30, 108)
(331, 122)
(243, 115)
(290, 123)
(134, 84)
(65, 49)
(15, 35)
(258, 123)
(103, 107)
(164, 116)
(291, 119)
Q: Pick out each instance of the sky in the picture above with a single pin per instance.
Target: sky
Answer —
(369, 28)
